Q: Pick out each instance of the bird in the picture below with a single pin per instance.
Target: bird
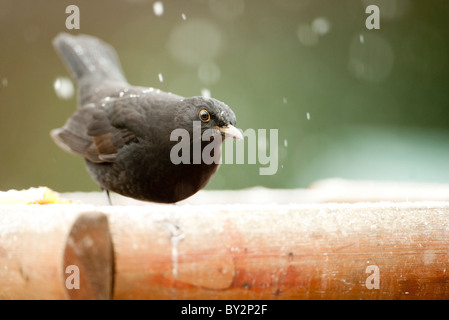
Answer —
(124, 132)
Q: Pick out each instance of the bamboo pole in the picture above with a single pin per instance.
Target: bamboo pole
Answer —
(46, 252)
(296, 251)
(327, 251)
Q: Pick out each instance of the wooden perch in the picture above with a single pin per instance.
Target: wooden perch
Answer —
(39, 245)
(328, 251)
(227, 251)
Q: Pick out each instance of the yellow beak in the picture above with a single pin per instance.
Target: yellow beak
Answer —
(230, 131)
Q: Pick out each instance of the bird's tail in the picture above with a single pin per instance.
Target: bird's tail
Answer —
(88, 58)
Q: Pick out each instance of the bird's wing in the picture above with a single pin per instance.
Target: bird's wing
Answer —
(97, 133)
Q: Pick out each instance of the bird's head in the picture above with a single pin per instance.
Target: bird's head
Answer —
(213, 114)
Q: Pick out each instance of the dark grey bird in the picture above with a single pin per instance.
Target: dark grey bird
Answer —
(123, 131)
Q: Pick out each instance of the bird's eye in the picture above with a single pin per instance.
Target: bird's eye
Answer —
(204, 115)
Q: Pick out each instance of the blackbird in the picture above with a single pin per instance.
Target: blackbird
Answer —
(123, 131)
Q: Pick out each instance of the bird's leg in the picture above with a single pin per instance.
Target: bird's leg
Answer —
(108, 196)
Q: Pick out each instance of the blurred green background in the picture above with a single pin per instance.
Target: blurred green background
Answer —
(348, 102)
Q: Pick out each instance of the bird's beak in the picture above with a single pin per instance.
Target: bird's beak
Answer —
(230, 131)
